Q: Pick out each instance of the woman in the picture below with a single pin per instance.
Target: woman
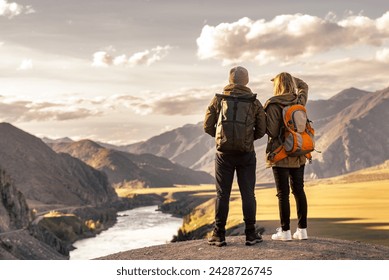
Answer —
(288, 172)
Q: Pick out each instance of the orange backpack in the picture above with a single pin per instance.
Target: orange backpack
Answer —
(298, 136)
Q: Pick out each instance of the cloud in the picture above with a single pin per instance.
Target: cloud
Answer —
(26, 111)
(325, 78)
(26, 65)
(102, 59)
(13, 9)
(382, 55)
(184, 103)
(146, 57)
(149, 57)
(328, 77)
(286, 37)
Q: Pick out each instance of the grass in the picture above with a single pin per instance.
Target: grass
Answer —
(126, 192)
(352, 211)
(341, 207)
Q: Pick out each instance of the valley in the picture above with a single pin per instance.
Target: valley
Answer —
(350, 207)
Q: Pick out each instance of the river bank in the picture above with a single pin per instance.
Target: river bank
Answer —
(60, 229)
(136, 228)
(177, 202)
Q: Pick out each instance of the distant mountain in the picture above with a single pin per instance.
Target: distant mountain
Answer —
(127, 169)
(59, 140)
(191, 147)
(183, 145)
(351, 131)
(354, 138)
(321, 111)
(49, 179)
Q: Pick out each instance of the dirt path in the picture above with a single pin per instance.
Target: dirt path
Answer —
(312, 249)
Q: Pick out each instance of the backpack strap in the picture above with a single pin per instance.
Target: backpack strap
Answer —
(219, 98)
(235, 98)
(282, 126)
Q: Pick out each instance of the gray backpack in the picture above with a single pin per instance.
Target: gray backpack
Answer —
(235, 125)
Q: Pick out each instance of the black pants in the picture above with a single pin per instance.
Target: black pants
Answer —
(293, 177)
(225, 165)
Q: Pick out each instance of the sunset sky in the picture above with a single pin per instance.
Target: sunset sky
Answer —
(122, 71)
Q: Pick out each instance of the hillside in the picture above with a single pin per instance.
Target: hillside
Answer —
(16, 241)
(355, 138)
(125, 169)
(184, 145)
(375, 173)
(351, 132)
(37, 181)
(312, 249)
(14, 212)
(49, 180)
(320, 111)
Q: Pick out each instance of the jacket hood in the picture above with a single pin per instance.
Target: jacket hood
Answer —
(234, 89)
(284, 99)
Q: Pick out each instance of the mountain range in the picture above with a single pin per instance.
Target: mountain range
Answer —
(132, 170)
(48, 179)
(81, 173)
(186, 145)
(355, 137)
(352, 131)
(35, 179)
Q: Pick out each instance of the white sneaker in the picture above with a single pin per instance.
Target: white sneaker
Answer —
(282, 235)
(301, 233)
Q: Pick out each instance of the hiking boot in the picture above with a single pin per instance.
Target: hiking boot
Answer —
(301, 234)
(252, 238)
(217, 239)
(282, 235)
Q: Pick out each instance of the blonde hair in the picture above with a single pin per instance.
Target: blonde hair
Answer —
(284, 84)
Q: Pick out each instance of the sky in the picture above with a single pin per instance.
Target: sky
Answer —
(123, 71)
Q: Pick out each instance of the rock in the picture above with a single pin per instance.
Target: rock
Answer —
(316, 248)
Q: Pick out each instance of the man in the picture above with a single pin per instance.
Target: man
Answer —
(235, 118)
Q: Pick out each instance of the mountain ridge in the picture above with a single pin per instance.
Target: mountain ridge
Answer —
(132, 170)
(48, 178)
(356, 137)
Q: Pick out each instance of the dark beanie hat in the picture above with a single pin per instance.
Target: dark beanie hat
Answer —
(239, 76)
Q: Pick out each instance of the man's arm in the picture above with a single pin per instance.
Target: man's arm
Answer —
(210, 119)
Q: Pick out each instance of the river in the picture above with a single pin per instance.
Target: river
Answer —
(136, 228)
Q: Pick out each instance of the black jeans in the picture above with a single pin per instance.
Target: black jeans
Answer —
(225, 165)
(293, 177)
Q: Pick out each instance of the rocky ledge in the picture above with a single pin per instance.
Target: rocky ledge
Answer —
(315, 248)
